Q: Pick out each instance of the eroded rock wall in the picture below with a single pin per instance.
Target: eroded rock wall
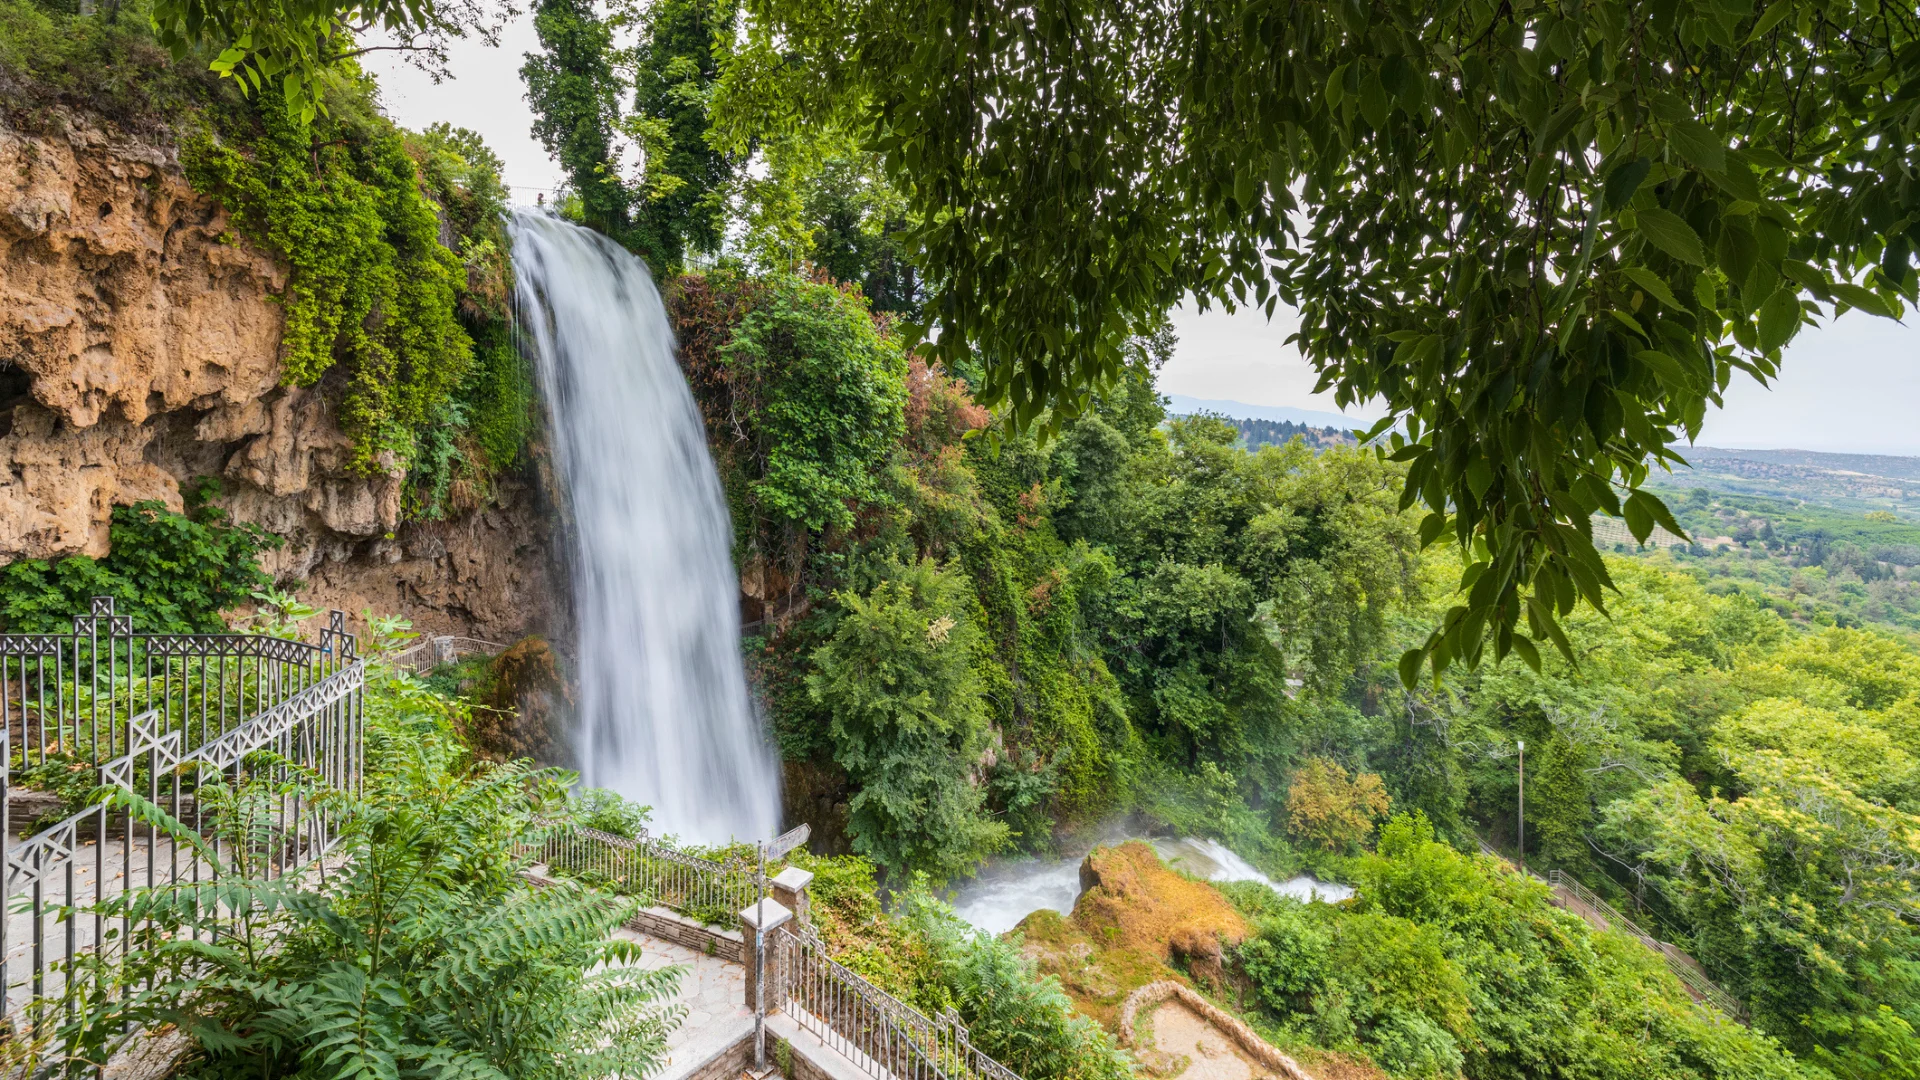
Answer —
(140, 350)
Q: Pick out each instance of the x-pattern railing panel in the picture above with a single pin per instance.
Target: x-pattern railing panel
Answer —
(138, 710)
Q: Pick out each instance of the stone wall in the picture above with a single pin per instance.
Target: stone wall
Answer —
(671, 926)
(140, 350)
(1231, 1026)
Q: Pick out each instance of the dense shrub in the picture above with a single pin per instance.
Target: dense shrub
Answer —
(1446, 965)
(824, 393)
(369, 283)
(173, 573)
(908, 722)
(923, 954)
(107, 68)
(1022, 1019)
(1327, 807)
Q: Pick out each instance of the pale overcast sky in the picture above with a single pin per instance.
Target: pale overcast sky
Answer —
(1850, 387)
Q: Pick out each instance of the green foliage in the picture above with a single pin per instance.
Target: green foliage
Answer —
(301, 51)
(1023, 1021)
(1237, 573)
(1447, 966)
(575, 96)
(908, 723)
(106, 67)
(1800, 892)
(418, 952)
(575, 84)
(171, 573)
(353, 206)
(1543, 242)
(858, 231)
(825, 393)
(687, 180)
(598, 808)
(501, 394)
(1137, 602)
(1827, 565)
(369, 282)
(1728, 781)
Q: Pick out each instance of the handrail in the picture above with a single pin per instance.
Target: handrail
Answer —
(132, 709)
(430, 652)
(882, 1035)
(710, 890)
(1684, 967)
(878, 1032)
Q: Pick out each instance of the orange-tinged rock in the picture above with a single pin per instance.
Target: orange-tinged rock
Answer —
(1129, 897)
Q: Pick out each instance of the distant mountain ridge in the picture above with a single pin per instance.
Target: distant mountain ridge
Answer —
(1901, 468)
(1856, 483)
(1182, 405)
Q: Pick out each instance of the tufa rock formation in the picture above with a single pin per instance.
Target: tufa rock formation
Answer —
(139, 350)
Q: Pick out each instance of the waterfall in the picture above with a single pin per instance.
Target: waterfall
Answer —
(664, 714)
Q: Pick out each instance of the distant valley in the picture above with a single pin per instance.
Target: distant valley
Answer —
(1857, 482)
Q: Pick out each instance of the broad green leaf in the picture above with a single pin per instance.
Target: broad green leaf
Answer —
(1779, 318)
(1410, 662)
(1624, 180)
(1627, 321)
(1770, 18)
(1698, 145)
(1663, 365)
(1528, 654)
(1557, 127)
(1668, 232)
(1639, 518)
(1738, 181)
(1864, 299)
(1656, 288)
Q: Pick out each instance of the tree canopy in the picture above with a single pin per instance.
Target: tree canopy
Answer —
(1546, 235)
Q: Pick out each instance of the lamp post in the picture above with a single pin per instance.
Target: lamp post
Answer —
(1523, 805)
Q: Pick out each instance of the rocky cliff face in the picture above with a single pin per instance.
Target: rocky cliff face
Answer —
(140, 350)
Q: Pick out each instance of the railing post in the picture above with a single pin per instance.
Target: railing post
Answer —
(789, 888)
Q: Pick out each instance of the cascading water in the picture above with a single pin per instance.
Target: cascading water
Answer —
(664, 714)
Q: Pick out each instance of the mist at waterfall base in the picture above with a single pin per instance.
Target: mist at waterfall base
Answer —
(1006, 893)
(664, 716)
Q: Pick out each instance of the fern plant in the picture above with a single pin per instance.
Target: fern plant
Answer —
(413, 949)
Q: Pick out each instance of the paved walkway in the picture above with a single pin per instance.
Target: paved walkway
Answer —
(714, 992)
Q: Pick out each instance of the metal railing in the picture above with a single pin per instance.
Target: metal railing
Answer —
(711, 890)
(879, 1033)
(107, 707)
(1684, 967)
(430, 652)
(882, 1035)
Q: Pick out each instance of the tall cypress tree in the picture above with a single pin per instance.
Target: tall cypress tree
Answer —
(575, 98)
(675, 67)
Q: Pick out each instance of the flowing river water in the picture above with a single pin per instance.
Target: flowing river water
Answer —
(1009, 891)
(664, 713)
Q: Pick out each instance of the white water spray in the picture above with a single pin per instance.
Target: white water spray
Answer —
(664, 716)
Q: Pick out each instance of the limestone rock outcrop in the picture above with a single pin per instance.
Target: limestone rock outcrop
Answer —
(140, 351)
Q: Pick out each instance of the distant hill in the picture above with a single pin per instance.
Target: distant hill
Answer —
(1255, 434)
(1903, 468)
(1182, 405)
(1850, 482)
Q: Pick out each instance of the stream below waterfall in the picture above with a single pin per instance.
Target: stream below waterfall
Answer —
(1011, 889)
(665, 718)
